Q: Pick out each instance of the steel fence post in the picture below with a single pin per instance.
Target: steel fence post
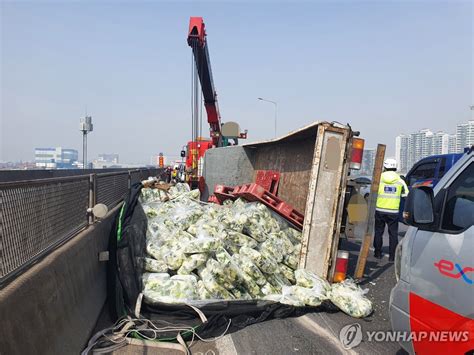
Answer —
(92, 196)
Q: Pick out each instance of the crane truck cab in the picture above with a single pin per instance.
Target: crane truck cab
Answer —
(433, 300)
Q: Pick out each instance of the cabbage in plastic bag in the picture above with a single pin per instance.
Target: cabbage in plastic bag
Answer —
(225, 276)
(153, 265)
(153, 281)
(240, 239)
(287, 272)
(192, 262)
(264, 263)
(309, 279)
(287, 296)
(213, 287)
(246, 266)
(176, 289)
(350, 299)
(260, 221)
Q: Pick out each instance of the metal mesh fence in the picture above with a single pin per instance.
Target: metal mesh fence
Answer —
(38, 215)
(111, 188)
(135, 176)
(35, 216)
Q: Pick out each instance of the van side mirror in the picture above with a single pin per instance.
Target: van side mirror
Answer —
(419, 207)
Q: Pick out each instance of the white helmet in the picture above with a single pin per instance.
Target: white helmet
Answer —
(390, 163)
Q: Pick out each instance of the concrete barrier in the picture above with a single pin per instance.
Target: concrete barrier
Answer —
(53, 307)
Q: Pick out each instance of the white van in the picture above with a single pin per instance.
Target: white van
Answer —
(432, 304)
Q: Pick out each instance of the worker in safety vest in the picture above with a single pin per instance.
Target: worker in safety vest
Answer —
(174, 173)
(391, 189)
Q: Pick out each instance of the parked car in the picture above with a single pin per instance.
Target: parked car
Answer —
(434, 265)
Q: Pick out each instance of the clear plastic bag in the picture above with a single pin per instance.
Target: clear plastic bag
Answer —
(176, 289)
(277, 281)
(291, 259)
(350, 299)
(260, 221)
(308, 279)
(216, 290)
(152, 281)
(309, 296)
(264, 263)
(225, 275)
(153, 265)
(239, 250)
(286, 297)
(240, 239)
(173, 258)
(245, 265)
(287, 273)
(192, 262)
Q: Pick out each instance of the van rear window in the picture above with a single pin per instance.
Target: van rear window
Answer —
(422, 172)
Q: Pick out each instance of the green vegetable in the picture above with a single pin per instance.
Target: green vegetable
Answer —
(191, 263)
(153, 265)
(350, 299)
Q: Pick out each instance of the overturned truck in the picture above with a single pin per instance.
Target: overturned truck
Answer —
(240, 263)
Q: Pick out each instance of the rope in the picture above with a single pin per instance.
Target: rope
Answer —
(127, 330)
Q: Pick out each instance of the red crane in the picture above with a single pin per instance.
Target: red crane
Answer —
(219, 133)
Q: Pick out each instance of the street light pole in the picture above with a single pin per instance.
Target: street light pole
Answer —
(273, 102)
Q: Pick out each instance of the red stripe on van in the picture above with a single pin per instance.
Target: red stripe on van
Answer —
(429, 317)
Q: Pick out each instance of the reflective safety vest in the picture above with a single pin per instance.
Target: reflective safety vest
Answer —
(391, 188)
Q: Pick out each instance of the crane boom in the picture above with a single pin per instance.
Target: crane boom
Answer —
(197, 41)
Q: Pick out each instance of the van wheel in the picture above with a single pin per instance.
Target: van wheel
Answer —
(366, 196)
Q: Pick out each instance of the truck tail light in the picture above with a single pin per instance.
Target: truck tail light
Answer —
(357, 152)
(341, 266)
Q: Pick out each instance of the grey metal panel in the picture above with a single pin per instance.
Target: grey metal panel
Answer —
(228, 166)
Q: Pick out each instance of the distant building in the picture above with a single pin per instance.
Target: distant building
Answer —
(410, 148)
(106, 161)
(452, 145)
(55, 158)
(440, 144)
(401, 152)
(368, 161)
(464, 135)
(109, 158)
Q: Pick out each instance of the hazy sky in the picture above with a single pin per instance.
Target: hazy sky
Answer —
(384, 67)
